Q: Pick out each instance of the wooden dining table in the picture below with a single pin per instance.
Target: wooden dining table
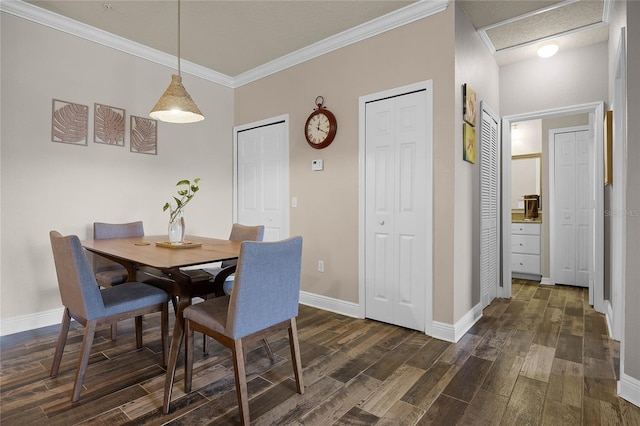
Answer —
(153, 251)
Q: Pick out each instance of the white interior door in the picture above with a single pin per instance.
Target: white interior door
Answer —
(262, 177)
(397, 179)
(572, 207)
(489, 206)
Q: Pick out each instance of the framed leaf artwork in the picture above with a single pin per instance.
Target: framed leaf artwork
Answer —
(469, 105)
(69, 122)
(144, 135)
(108, 125)
(469, 150)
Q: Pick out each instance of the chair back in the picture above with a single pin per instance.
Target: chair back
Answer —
(76, 282)
(103, 231)
(267, 286)
(244, 233)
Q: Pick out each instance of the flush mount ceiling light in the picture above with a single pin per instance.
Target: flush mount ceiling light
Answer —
(548, 50)
(175, 105)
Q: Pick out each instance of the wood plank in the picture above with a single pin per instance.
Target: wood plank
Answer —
(445, 410)
(538, 362)
(468, 379)
(569, 347)
(486, 409)
(565, 383)
(401, 414)
(425, 391)
(526, 402)
(558, 413)
(297, 406)
(336, 405)
(503, 374)
(392, 389)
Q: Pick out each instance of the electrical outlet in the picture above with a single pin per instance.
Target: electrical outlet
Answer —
(320, 265)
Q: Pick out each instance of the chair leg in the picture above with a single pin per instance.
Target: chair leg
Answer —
(241, 381)
(206, 341)
(62, 341)
(114, 331)
(85, 352)
(295, 355)
(139, 331)
(164, 329)
(205, 344)
(267, 348)
(188, 355)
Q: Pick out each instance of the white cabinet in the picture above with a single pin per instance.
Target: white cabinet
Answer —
(525, 250)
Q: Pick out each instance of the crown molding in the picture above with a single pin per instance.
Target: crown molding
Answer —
(403, 16)
(70, 26)
(406, 15)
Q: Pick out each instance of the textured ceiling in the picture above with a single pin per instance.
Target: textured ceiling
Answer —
(233, 37)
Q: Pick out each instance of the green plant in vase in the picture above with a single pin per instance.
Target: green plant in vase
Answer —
(176, 220)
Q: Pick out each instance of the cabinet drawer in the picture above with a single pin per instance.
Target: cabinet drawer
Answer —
(525, 228)
(525, 244)
(525, 263)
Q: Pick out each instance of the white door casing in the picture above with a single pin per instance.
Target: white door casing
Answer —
(571, 205)
(489, 205)
(596, 117)
(261, 176)
(397, 232)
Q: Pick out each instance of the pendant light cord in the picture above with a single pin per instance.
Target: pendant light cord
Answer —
(179, 39)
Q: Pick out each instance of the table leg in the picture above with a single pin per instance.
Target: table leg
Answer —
(184, 300)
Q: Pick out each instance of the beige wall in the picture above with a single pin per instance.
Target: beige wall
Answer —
(477, 68)
(327, 212)
(48, 185)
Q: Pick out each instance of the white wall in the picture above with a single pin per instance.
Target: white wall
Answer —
(570, 77)
(48, 185)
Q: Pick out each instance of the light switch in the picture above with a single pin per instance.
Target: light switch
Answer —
(317, 165)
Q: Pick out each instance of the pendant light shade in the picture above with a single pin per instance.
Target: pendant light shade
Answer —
(175, 105)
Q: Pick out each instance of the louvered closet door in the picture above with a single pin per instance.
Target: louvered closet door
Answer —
(489, 208)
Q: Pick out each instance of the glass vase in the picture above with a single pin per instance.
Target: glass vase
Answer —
(176, 230)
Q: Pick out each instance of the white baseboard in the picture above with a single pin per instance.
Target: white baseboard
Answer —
(629, 389)
(349, 309)
(30, 321)
(454, 332)
(545, 281)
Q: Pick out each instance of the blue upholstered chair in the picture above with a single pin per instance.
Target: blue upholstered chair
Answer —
(92, 307)
(264, 300)
(223, 274)
(109, 273)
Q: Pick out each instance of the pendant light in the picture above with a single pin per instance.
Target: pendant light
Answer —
(175, 105)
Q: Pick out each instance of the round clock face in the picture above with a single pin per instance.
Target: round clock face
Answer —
(320, 128)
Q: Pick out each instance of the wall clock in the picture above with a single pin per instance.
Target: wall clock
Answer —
(321, 126)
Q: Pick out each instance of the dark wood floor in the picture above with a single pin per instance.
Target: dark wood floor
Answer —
(542, 357)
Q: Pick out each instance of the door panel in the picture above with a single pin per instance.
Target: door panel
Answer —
(572, 207)
(262, 173)
(395, 226)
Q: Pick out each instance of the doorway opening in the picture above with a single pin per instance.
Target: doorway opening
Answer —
(596, 117)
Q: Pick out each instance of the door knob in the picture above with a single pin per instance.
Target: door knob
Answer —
(381, 222)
